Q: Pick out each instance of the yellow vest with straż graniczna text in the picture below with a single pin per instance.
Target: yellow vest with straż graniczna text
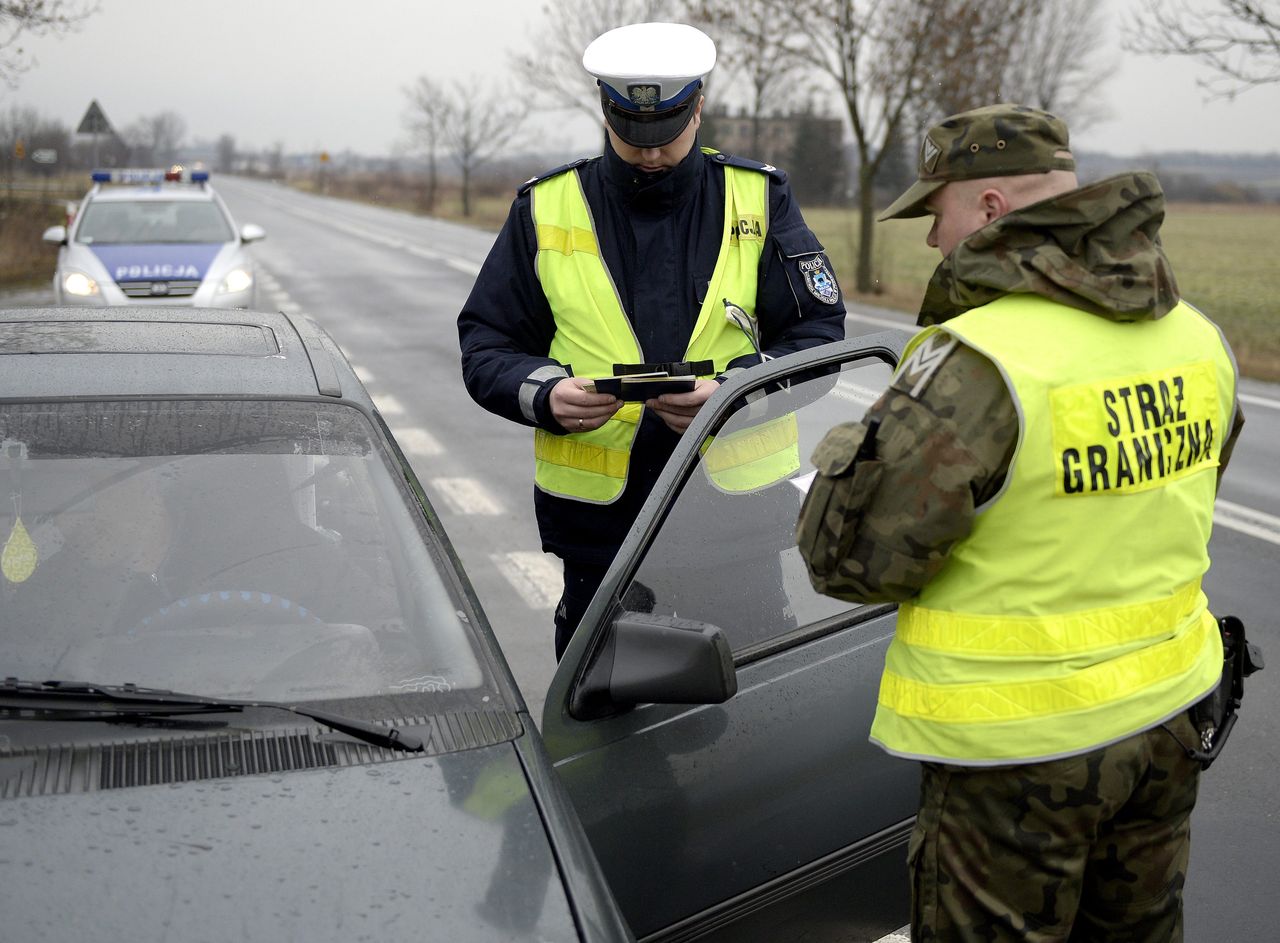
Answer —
(1072, 616)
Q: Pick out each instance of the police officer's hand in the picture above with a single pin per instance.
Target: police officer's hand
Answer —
(577, 410)
(678, 409)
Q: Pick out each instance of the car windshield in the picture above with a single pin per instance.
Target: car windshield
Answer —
(251, 549)
(106, 222)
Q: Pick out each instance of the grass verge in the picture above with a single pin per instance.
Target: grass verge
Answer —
(26, 259)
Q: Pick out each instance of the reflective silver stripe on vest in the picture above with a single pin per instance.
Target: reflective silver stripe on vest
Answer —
(530, 385)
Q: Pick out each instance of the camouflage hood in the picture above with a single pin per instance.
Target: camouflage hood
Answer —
(1096, 248)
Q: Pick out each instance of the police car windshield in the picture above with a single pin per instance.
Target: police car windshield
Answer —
(153, 222)
(245, 549)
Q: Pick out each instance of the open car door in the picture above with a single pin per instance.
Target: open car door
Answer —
(710, 715)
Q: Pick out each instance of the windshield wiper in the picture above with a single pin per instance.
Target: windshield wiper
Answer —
(75, 700)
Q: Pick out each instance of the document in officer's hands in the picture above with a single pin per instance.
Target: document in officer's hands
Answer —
(638, 387)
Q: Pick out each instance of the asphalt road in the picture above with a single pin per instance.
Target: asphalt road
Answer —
(388, 286)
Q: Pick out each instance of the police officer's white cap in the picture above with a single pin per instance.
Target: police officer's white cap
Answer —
(650, 75)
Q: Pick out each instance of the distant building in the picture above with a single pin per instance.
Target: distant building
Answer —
(809, 146)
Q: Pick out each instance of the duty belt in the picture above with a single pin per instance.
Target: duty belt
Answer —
(681, 368)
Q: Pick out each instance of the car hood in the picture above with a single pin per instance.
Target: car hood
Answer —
(140, 262)
(453, 843)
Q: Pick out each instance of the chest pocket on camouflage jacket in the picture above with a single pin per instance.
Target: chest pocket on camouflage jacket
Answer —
(833, 508)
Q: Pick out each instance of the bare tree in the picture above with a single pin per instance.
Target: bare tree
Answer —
(1239, 40)
(477, 124)
(770, 70)
(1016, 51)
(156, 138)
(19, 18)
(425, 119)
(968, 55)
(552, 75)
(874, 53)
(226, 147)
(275, 161)
(35, 131)
(1056, 62)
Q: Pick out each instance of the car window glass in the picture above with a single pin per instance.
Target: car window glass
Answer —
(725, 553)
(246, 549)
(152, 221)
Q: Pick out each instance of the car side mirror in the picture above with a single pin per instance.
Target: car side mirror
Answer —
(650, 659)
(55, 234)
(251, 233)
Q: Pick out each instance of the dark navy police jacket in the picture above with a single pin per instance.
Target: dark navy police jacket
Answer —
(660, 236)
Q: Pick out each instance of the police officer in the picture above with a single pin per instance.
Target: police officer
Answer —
(1036, 489)
(624, 263)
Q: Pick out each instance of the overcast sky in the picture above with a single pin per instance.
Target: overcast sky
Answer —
(314, 74)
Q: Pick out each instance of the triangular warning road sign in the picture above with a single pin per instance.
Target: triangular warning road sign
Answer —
(94, 121)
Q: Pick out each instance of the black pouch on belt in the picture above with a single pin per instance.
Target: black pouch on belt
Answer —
(1215, 714)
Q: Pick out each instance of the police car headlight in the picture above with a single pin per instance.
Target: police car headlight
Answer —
(80, 284)
(237, 280)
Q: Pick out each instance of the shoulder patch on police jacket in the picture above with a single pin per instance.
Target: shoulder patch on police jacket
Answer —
(747, 163)
(554, 172)
(923, 362)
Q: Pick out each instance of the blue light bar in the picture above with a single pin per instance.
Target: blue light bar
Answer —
(137, 175)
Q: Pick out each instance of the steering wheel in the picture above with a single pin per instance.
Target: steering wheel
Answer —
(227, 607)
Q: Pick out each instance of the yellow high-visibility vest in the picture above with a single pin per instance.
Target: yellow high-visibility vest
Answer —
(593, 332)
(1072, 616)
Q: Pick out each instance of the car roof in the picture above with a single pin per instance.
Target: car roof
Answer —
(168, 351)
(114, 193)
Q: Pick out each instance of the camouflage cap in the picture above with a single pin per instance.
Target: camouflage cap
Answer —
(995, 141)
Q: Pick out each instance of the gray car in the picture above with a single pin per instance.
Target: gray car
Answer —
(250, 693)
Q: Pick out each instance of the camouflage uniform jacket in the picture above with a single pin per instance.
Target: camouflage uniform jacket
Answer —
(945, 430)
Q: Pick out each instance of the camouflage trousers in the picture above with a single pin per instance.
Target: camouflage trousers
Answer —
(1089, 848)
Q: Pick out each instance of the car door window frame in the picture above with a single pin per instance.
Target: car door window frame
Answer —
(607, 604)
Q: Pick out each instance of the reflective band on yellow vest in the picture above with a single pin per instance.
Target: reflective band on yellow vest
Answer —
(751, 458)
(1050, 630)
(593, 333)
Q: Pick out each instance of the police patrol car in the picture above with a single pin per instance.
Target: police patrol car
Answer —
(153, 236)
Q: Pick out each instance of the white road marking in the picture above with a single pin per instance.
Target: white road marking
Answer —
(466, 496)
(416, 441)
(455, 263)
(1253, 400)
(537, 580)
(902, 935)
(278, 297)
(804, 482)
(388, 405)
(1246, 520)
(465, 266)
(881, 322)
(366, 376)
(460, 265)
(851, 392)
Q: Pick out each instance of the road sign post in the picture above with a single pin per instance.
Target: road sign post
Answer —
(95, 123)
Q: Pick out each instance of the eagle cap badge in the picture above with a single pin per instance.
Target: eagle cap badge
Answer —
(644, 97)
